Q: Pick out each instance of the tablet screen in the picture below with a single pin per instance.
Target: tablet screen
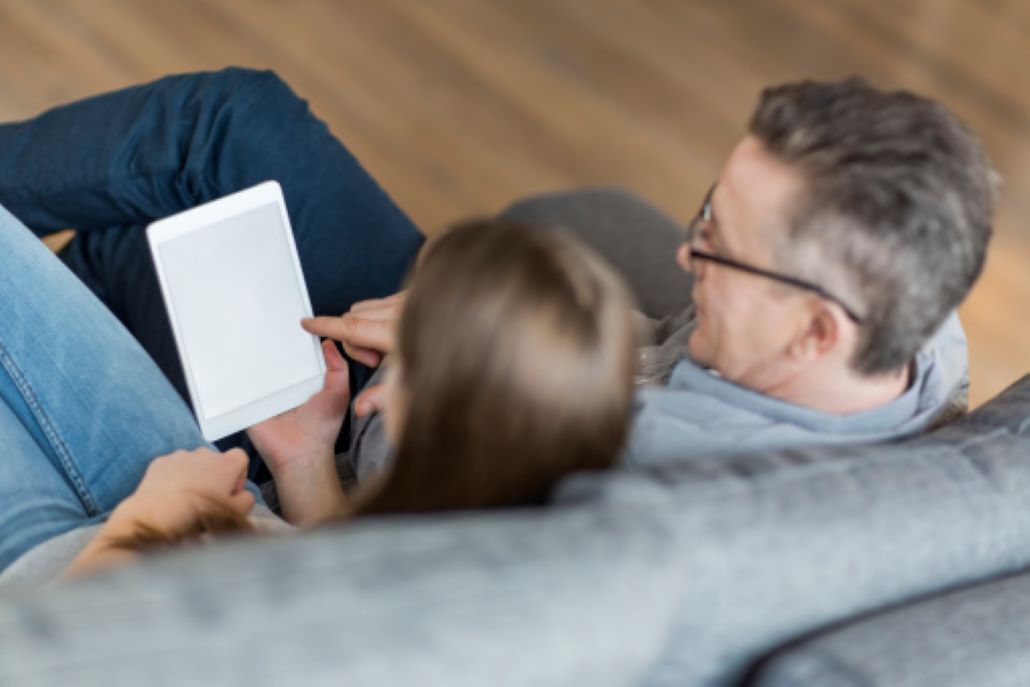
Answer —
(239, 318)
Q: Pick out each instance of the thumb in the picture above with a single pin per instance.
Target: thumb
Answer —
(333, 359)
(337, 372)
(370, 400)
(235, 462)
(336, 387)
(242, 502)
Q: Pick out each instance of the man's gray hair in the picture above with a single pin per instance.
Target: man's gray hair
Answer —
(896, 211)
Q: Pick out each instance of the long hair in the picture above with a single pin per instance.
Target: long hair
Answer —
(516, 356)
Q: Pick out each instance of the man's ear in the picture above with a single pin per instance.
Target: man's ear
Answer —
(819, 333)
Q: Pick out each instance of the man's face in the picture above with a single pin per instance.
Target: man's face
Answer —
(743, 328)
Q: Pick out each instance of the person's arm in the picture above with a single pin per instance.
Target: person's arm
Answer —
(309, 489)
(177, 490)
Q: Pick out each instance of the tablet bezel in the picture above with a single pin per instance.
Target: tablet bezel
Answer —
(197, 219)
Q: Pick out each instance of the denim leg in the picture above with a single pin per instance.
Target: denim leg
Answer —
(109, 165)
(84, 409)
(37, 500)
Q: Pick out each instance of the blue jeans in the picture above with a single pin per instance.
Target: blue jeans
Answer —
(85, 406)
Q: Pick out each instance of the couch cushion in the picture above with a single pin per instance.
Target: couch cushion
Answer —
(976, 636)
(680, 575)
(774, 546)
(564, 597)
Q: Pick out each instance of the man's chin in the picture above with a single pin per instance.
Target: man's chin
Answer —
(697, 349)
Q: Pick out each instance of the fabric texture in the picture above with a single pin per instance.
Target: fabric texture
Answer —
(76, 438)
(976, 636)
(698, 409)
(680, 575)
(777, 545)
(432, 601)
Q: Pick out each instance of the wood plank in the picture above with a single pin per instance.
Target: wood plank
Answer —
(460, 106)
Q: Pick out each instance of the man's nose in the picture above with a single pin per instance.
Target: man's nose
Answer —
(683, 256)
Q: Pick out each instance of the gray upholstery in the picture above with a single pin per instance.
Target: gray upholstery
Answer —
(778, 545)
(638, 239)
(533, 598)
(683, 575)
(977, 636)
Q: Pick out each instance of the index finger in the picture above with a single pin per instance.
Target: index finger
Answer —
(237, 466)
(326, 326)
(354, 331)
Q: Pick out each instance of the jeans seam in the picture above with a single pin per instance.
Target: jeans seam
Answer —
(57, 444)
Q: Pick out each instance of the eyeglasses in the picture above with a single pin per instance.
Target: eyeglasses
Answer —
(696, 228)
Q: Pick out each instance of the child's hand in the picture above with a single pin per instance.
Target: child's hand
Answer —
(307, 433)
(367, 330)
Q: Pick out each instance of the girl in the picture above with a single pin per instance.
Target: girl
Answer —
(513, 367)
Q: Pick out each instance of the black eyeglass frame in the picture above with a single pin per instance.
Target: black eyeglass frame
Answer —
(705, 215)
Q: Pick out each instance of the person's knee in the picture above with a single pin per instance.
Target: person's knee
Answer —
(256, 91)
(246, 78)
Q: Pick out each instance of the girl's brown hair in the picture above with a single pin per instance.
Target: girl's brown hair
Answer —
(516, 357)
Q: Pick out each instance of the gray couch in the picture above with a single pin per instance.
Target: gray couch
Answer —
(893, 564)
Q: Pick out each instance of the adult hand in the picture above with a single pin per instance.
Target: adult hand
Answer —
(174, 492)
(366, 331)
(177, 487)
(307, 433)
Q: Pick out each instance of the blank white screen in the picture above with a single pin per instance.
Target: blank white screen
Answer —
(237, 304)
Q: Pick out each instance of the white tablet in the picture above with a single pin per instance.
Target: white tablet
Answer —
(235, 294)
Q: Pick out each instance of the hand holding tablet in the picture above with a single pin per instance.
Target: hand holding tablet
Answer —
(232, 283)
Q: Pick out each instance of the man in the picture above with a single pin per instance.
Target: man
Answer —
(828, 260)
(840, 236)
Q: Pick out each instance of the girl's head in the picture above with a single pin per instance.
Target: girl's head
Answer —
(513, 367)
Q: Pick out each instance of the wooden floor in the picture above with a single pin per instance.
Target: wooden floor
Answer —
(460, 106)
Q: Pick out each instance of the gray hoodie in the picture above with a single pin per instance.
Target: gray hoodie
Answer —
(694, 412)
